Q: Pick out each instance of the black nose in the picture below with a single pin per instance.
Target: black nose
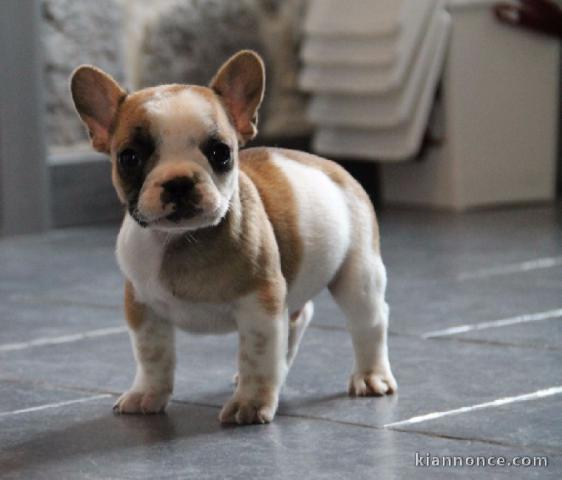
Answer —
(177, 190)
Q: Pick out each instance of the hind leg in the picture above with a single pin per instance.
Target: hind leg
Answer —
(359, 290)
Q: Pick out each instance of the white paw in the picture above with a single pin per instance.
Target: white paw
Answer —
(245, 411)
(372, 384)
(142, 402)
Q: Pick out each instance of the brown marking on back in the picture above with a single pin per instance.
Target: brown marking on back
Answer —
(340, 177)
(357, 194)
(280, 204)
(134, 311)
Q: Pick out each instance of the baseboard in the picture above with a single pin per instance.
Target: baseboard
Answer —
(81, 189)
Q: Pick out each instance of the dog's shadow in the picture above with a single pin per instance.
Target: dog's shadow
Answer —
(101, 437)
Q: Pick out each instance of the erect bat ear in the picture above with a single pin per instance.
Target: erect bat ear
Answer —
(97, 97)
(240, 83)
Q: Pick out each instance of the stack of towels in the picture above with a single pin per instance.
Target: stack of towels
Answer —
(372, 68)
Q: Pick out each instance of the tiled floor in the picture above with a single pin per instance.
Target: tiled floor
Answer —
(65, 355)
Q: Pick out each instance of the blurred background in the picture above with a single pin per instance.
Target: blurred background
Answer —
(431, 104)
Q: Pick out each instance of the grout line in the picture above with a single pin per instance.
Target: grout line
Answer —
(59, 386)
(54, 405)
(54, 300)
(39, 342)
(547, 392)
(504, 322)
(500, 343)
(539, 263)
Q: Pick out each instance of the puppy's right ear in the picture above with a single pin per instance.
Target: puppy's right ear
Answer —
(96, 97)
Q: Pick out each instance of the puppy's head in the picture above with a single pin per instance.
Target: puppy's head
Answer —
(174, 148)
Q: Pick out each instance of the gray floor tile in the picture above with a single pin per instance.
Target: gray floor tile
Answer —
(545, 334)
(426, 247)
(422, 308)
(85, 441)
(471, 241)
(25, 321)
(535, 424)
(75, 265)
(16, 396)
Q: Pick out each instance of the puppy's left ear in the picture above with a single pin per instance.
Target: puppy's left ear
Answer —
(240, 83)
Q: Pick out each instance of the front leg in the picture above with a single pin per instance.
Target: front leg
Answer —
(153, 345)
(262, 320)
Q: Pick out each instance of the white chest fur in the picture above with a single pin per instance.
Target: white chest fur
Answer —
(139, 254)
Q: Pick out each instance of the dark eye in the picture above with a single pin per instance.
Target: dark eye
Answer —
(129, 159)
(218, 154)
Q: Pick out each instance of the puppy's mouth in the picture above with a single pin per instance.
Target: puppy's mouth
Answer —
(183, 213)
(176, 219)
(137, 217)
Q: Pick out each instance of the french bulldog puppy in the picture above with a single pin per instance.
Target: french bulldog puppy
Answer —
(218, 239)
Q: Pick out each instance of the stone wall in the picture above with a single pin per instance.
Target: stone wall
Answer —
(75, 33)
(148, 42)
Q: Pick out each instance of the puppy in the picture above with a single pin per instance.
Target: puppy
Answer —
(217, 239)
